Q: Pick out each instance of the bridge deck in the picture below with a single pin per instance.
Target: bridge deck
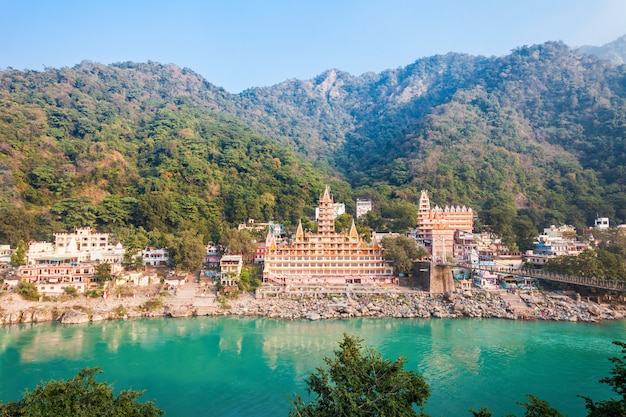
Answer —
(605, 284)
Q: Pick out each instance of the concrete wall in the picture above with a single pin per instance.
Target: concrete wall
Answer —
(441, 279)
(436, 279)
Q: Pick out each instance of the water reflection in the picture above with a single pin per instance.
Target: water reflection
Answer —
(253, 365)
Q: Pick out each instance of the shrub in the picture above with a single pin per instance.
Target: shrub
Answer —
(71, 291)
(152, 304)
(120, 311)
(81, 395)
(97, 293)
(27, 290)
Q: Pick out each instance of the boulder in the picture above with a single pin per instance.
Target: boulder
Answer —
(594, 309)
(449, 296)
(74, 317)
(313, 316)
(41, 315)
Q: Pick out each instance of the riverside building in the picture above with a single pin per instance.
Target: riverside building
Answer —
(438, 227)
(326, 257)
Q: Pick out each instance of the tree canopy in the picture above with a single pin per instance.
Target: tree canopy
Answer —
(536, 135)
(402, 251)
(360, 382)
(79, 396)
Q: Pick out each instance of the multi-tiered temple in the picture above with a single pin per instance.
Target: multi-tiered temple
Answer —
(438, 226)
(326, 257)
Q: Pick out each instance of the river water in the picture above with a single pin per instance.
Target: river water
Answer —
(228, 366)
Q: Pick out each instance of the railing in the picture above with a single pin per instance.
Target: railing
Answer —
(606, 284)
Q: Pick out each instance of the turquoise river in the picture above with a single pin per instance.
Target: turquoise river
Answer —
(229, 366)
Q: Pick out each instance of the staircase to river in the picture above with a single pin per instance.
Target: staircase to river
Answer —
(191, 298)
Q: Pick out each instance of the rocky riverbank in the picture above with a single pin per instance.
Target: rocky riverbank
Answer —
(408, 304)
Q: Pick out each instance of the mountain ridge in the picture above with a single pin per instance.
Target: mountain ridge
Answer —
(536, 136)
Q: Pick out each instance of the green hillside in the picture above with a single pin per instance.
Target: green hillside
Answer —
(539, 133)
(534, 138)
(141, 145)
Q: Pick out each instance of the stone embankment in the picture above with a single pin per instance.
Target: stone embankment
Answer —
(478, 304)
(408, 304)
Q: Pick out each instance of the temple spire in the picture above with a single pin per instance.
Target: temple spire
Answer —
(353, 231)
(299, 233)
(270, 242)
(326, 196)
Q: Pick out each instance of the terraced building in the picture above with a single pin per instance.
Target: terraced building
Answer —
(325, 257)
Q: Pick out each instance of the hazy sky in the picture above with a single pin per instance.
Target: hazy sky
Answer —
(236, 44)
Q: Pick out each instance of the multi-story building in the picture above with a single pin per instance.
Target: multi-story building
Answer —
(259, 253)
(5, 254)
(89, 246)
(363, 205)
(230, 267)
(602, 223)
(276, 229)
(325, 257)
(86, 240)
(437, 226)
(52, 274)
(553, 242)
(155, 256)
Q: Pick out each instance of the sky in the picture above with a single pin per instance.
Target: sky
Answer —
(238, 44)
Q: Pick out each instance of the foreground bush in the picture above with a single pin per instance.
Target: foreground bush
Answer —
(79, 396)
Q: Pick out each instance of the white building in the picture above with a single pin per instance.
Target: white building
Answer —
(5, 254)
(602, 223)
(231, 266)
(155, 257)
(363, 206)
(86, 240)
(84, 245)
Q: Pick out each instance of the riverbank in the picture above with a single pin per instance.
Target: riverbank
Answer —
(190, 301)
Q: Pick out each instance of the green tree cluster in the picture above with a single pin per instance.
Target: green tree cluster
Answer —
(79, 396)
(594, 263)
(27, 290)
(18, 258)
(362, 383)
(402, 251)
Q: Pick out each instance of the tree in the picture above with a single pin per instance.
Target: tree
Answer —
(239, 242)
(362, 383)
(617, 380)
(539, 408)
(19, 257)
(27, 290)
(134, 240)
(343, 222)
(373, 220)
(402, 250)
(103, 272)
(186, 250)
(596, 263)
(79, 396)
(525, 233)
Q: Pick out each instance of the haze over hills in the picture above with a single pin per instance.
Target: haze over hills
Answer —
(530, 139)
(613, 51)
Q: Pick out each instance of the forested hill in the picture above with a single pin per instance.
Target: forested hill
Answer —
(141, 145)
(539, 133)
(533, 138)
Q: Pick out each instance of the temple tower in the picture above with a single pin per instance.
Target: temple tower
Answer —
(326, 219)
